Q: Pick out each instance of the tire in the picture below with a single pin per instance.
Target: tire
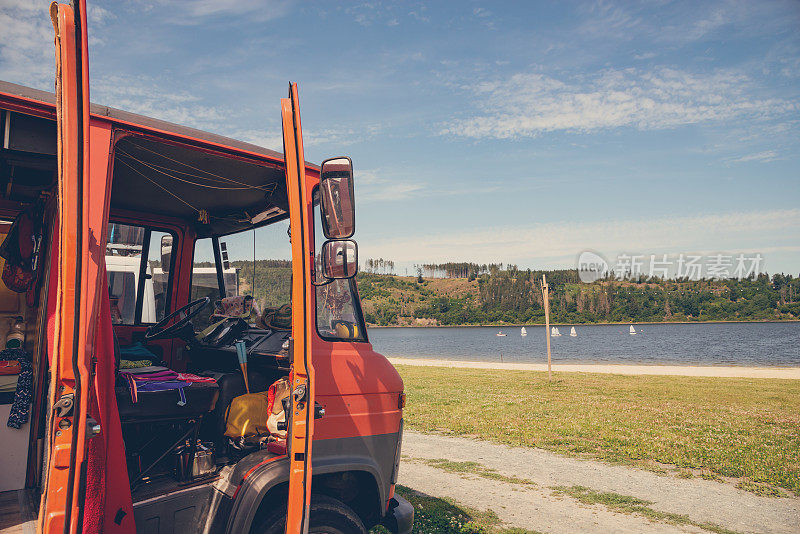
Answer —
(328, 516)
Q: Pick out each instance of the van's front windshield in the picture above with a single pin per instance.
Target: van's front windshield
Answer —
(257, 269)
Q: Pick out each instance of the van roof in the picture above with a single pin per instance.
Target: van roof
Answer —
(155, 143)
(144, 122)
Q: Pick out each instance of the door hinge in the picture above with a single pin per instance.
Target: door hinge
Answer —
(64, 406)
(299, 393)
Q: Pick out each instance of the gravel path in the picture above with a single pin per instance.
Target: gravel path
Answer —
(537, 508)
(619, 369)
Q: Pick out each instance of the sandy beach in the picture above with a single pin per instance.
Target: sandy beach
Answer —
(674, 370)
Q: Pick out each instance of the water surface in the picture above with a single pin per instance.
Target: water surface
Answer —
(750, 344)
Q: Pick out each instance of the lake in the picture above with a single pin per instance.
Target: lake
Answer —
(750, 344)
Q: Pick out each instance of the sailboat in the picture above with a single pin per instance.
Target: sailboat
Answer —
(501, 334)
(523, 332)
(554, 332)
(573, 333)
(632, 331)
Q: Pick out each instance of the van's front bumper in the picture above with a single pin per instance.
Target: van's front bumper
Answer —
(399, 516)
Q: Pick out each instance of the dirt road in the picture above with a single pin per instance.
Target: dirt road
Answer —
(516, 483)
(672, 370)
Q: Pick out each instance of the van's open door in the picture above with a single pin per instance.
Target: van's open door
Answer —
(79, 344)
(301, 417)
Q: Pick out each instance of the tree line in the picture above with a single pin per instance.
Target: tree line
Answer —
(514, 296)
(469, 293)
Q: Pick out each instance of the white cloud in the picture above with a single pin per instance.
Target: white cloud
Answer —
(390, 192)
(765, 156)
(667, 22)
(559, 243)
(272, 139)
(151, 97)
(27, 54)
(384, 13)
(191, 12)
(419, 14)
(376, 185)
(604, 20)
(98, 15)
(365, 13)
(527, 104)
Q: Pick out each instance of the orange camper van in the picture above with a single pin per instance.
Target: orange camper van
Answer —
(153, 379)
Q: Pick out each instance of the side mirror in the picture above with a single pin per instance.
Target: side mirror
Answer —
(338, 200)
(166, 252)
(339, 259)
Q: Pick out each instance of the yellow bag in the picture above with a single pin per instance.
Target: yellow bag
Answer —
(247, 415)
(252, 414)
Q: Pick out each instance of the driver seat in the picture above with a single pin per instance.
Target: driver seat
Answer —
(201, 397)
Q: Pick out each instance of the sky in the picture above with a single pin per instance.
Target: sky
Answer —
(513, 132)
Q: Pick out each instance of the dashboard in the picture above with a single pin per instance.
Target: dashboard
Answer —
(263, 346)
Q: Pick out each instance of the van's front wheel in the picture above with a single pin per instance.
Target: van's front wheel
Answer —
(328, 516)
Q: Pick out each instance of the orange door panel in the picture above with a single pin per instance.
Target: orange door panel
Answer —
(61, 507)
(302, 416)
(80, 343)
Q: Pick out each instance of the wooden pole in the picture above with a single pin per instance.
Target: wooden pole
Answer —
(546, 300)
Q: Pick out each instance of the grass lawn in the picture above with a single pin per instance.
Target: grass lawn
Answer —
(734, 427)
(443, 516)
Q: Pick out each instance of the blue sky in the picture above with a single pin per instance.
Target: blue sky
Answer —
(522, 132)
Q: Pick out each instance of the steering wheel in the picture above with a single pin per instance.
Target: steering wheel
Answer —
(160, 330)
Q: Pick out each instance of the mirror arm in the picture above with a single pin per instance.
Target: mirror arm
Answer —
(325, 283)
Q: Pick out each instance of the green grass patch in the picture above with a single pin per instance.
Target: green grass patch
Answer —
(444, 516)
(765, 490)
(633, 505)
(717, 427)
(473, 468)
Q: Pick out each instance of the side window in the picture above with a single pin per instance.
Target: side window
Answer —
(204, 279)
(123, 263)
(124, 267)
(338, 310)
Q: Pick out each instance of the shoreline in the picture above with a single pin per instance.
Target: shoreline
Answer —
(510, 325)
(790, 373)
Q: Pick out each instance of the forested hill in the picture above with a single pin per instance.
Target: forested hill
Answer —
(463, 294)
(513, 296)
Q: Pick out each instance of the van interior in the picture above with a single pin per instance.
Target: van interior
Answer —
(188, 223)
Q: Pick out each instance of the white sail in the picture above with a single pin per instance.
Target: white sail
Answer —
(523, 332)
(573, 333)
(632, 331)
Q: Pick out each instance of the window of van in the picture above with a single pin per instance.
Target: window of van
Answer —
(339, 315)
(204, 280)
(137, 254)
(255, 263)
